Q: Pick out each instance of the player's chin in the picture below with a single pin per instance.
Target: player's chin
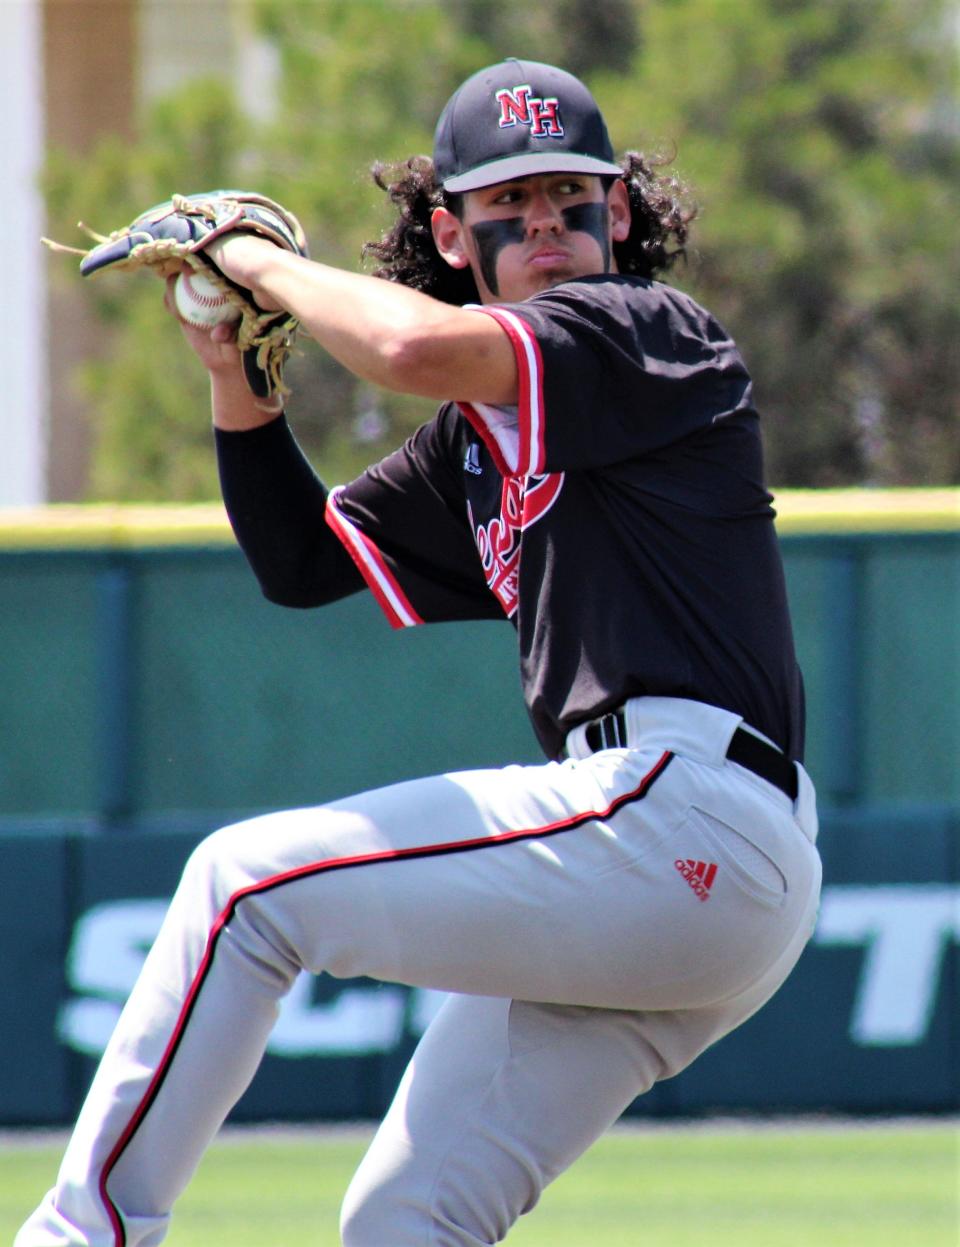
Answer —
(536, 280)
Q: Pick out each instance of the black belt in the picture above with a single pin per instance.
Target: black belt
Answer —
(747, 750)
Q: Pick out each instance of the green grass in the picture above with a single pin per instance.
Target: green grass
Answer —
(806, 1185)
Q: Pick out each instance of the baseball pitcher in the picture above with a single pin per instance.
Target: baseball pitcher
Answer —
(593, 478)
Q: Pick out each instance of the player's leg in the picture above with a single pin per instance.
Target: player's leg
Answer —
(433, 882)
(397, 883)
(469, 883)
(502, 1096)
(498, 1100)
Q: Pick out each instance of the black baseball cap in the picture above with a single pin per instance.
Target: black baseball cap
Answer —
(516, 119)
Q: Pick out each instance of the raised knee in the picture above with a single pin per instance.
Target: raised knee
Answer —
(219, 863)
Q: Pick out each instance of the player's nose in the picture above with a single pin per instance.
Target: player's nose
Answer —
(543, 214)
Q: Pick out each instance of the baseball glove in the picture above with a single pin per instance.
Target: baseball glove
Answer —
(177, 232)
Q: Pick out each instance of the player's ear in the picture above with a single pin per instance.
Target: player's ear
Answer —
(448, 237)
(618, 202)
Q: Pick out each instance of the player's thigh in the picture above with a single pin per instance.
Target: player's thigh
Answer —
(498, 1100)
(554, 883)
(465, 882)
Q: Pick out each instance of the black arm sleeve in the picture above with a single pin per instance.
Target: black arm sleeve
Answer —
(276, 505)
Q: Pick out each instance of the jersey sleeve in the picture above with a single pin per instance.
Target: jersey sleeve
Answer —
(608, 368)
(404, 524)
(276, 505)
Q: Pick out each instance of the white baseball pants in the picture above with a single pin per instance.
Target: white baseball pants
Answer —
(601, 921)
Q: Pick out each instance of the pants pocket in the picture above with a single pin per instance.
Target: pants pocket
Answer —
(743, 862)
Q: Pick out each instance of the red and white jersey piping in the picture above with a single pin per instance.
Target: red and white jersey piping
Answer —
(515, 439)
(380, 580)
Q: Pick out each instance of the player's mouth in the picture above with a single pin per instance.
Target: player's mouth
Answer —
(548, 257)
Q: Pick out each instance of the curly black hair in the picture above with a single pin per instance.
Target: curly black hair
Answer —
(660, 208)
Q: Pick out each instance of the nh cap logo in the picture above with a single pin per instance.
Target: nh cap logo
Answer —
(520, 106)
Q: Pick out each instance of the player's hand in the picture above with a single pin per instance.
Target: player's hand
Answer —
(216, 347)
(234, 405)
(180, 231)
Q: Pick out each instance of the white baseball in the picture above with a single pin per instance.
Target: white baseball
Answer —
(200, 302)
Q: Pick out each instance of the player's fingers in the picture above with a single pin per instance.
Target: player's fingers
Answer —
(168, 302)
(226, 331)
(215, 347)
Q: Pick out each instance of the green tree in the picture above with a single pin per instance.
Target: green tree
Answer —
(347, 98)
(152, 441)
(822, 138)
(823, 141)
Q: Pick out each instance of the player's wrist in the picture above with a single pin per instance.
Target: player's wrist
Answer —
(246, 261)
(235, 408)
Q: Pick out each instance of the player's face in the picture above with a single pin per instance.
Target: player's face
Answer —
(524, 236)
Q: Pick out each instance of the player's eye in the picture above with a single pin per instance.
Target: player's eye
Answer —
(511, 195)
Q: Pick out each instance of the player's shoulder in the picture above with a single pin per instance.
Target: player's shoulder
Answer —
(614, 304)
(613, 291)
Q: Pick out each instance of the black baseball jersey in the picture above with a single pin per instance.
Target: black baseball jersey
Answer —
(616, 516)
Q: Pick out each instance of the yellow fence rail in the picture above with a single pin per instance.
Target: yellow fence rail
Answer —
(169, 524)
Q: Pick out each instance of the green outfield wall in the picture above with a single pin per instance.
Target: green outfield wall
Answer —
(150, 694)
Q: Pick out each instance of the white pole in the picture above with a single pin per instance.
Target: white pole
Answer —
(23, 334)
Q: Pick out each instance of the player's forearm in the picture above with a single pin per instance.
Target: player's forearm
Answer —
(276, 505)
(382, 332)
(366, 324)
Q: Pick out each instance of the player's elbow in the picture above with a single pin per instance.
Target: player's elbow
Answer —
(413, 363)
(451, 357)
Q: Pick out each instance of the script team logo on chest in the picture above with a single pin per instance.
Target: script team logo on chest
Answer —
(523, 501)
